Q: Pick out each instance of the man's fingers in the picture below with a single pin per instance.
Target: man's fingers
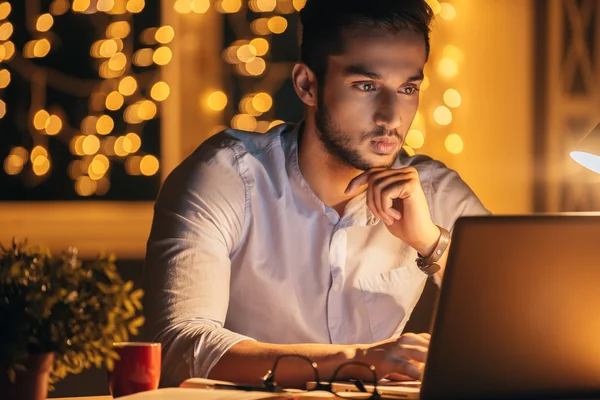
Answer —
(421, 339)
(411, 352)
(403, 368)
(357, 182)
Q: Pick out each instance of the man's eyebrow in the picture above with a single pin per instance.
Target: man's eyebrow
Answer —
(363, 71)
(418, 77)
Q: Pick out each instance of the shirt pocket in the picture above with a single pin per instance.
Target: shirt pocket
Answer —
(390, 298)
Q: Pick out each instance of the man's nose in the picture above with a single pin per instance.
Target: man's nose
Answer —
(388, 113)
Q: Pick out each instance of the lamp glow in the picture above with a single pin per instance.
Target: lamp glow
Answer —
(587, 153)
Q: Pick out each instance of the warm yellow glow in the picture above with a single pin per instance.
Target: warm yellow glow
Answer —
(418, 119)
(448, 67)
(262, 5)
(260, 45)
(134, 140)
(246, 53)
(277, 24)
(40, 118)
(183, 6)
(89, 145)
(119, 8)
(119, 29)
(244, 122)
(103, 185)
(147, 110)
(143, 57)
(165, 34)
(262, 102)
(20, 152)
(217, 101)
(114, 101)
(275, 123)
(230, 54)
(2, 53)
(80, 5)
(13, 164)
(148, 36)
(4, 78)
(452, 52)
(105, 5)
(228, 6)
(41, 165)
(117, 62)
(127, 86)
(454, 144)
(260, 26)
(105, 125)
(256, 67)
(409, 150)
(135, 6)
(44, 22)
(149, 165)
(126, 144)
(299, 4)
(6, 30)
(2, 109)
(98, 166)
(415, 139)
(88, 125)
(119, 149)
(59, 7)
(74, 169)
(41, 48)
(53, 125)
(131, 114)
(132, 165)
(442, 115)
(262, 126)
(38, 151)
(285, 7)
(108, 48)
(447, 11)
(435, 6)
(5, 9)
(108, 145)
(85, 186)
(76, 145)
(200, 6)
(9, 50)
(162, 56)
(160, 91)
(452, 98)
(246, 106)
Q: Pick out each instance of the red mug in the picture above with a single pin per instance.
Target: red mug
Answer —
(136, 370)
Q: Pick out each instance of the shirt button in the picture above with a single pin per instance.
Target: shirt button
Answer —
(335, 287)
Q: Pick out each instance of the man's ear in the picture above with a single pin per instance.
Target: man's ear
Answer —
(305, 84)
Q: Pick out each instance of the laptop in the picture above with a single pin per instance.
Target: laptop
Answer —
(518, 314)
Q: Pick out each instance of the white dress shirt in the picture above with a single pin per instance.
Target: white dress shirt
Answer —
(241, 248)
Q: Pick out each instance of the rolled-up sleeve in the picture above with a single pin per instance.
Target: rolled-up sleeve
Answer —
(198, 221)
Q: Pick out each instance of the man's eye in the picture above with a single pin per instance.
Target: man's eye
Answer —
(409, 90)
(366, 87)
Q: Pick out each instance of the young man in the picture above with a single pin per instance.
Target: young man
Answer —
(304, 240)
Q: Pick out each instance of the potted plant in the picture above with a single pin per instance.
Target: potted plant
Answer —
(59, 316)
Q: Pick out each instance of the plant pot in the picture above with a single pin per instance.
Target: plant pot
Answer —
(31, 384)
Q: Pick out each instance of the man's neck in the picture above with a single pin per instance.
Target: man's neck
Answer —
(327, 177)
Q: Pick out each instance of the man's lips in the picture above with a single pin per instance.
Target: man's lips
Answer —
(384, 145)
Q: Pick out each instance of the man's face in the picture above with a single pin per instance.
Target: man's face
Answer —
(370, 97)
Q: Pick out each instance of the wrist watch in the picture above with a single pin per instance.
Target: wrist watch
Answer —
(429, 265)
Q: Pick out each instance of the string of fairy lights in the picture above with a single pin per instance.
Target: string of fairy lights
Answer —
(120, 102)
(435, 114)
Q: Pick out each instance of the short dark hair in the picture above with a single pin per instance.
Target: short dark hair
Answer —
(323, 22)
